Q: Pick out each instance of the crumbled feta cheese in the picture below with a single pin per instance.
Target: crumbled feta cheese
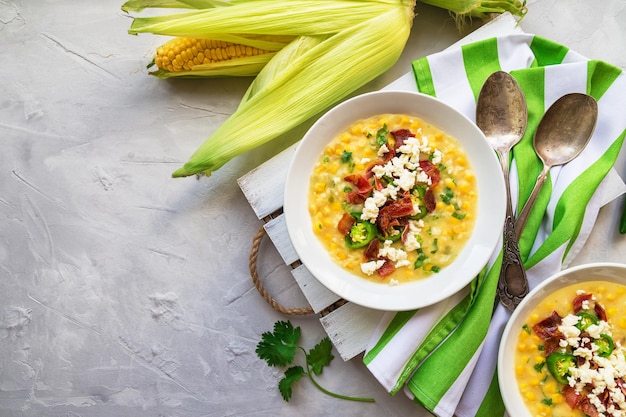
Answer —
(391, 253)
(568, 326)
(437, 155)
(370, 210)
(406, 180)
(371, 205)
(393, 282)
(411, 147)
(595, 330)
(379, 170)
(390, 192)
(383, 149)
(570, 320)
(423, 177)
(410, 242)
(370, 267)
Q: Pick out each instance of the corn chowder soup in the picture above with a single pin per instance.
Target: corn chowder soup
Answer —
(570, 352)
(393, 198)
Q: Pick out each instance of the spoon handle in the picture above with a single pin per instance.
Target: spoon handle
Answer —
(523, 215)
(512, 283)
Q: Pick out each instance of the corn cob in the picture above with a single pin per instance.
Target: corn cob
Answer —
(189, 57)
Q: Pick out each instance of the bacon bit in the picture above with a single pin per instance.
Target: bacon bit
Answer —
(387, 268)
(551, 345)
(361, 183)
(400, 136)
(388, 156)
(431, 170)
(371, 250)
(405, 232)
(345, 224)
(579, 300)
(393, 211)
(429, 200)
(588, 408)
(354, 197)
(622, 386)
(379, 185)
(571, 397)
(600, 312)
(605, 397)
(548, 327)
(363, 188)
(368, 171)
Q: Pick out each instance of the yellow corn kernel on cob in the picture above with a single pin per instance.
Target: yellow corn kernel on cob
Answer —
(198, 57)
(181, 54)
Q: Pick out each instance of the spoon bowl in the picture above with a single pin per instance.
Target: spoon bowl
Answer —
(562, 134)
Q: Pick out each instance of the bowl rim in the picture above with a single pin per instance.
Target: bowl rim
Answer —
(511, 396)
(407, 296)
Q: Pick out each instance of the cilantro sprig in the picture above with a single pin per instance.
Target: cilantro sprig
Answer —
(279, 348)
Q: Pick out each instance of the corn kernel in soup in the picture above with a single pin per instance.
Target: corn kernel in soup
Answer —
(393, 198)
(570, 352)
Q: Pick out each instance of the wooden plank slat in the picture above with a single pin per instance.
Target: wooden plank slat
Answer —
(318, 296)
(350, 327)
(264, 186)
(276, 229)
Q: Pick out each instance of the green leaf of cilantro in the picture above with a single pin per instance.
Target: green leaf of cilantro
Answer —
(279, 348)
(320, 356)
(346, 156)
(381, 135)
(292, 375)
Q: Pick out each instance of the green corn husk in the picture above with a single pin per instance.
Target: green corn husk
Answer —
(139, 5)
(315, 80)
(282, 61)
(482, 9)
(264, 17)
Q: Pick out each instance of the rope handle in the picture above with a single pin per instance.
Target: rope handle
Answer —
(252, 264)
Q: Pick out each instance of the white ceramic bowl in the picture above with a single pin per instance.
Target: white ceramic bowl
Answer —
(612, 272)
(407, 296)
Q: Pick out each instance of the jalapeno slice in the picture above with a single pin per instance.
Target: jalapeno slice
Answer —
(605, 345)
(559, 364)
(361, 233)
(586, 320)
(417, 196)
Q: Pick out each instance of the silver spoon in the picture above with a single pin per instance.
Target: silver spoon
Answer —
(502, 115)
(562, 134)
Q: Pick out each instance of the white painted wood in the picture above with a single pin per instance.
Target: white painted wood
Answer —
(350, 327)
(264, 186)
(318, 296)
(276, 229)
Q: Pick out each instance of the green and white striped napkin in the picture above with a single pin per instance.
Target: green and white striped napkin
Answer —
(444, 356)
